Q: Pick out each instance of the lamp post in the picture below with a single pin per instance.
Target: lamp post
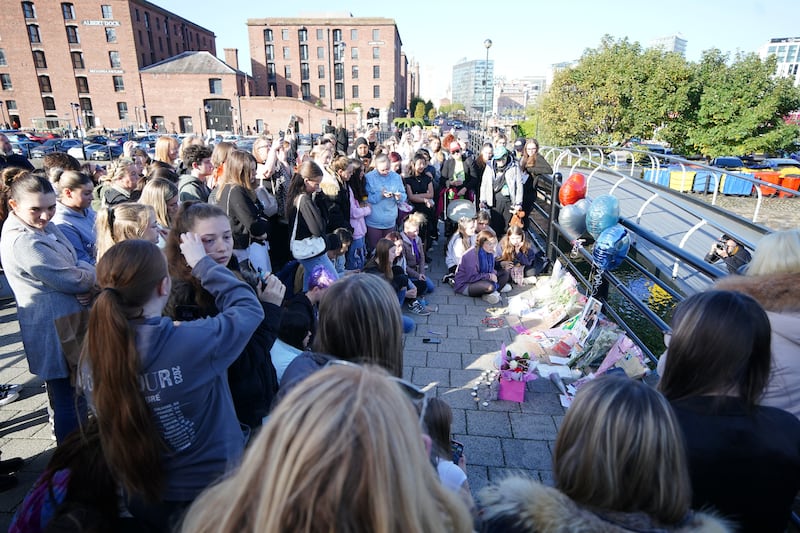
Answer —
(239, 105)
(2, 110)
(488, 44)
(146, 122)
(340, 46)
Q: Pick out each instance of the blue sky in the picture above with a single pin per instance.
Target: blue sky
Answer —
(527, 35)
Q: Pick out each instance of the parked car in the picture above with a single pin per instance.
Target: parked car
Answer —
(50, 145)
(78, 151)
(99, 139)
(728, 162)
(23, 147)
(106, 153)
(784, 165)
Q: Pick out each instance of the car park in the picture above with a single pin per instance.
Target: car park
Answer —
(784, 165)
(78, 151)
(23, 147)
(50, 145)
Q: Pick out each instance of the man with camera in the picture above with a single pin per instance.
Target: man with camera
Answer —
(730, 251)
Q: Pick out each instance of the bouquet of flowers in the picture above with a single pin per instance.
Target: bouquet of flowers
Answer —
(515, 371)
(515, 367)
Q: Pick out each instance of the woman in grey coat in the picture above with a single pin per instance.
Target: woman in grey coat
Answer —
(48, 282)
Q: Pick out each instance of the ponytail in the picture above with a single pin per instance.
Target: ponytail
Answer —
(128, 273)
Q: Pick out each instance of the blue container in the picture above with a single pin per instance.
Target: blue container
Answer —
(660, 177)
(704, 181)
(735, 186)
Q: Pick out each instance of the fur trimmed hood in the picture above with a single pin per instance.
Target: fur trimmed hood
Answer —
(518, 504)
(779, 293)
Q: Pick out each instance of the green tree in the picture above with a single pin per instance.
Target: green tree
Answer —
(741, 107)
(419, 110)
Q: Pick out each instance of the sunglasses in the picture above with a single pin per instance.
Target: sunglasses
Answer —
(418, 396)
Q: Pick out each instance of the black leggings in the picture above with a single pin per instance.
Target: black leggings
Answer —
(484, 286)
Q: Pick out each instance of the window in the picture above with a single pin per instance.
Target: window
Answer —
(160, 45)
(111, 35)
(376, 52)
(303, 52)
(11, 105)
(82, 83)
(355, 91)
(338, 53)
(122, 110)
(119, 84)
(215, 85)
(44, 84)
(286, 53)
(5, 82)
(376, 72)
(320, 52)
(338, 91)
(337, 35)
(354, 72)
(354, 53)
(106, 12)
(287, 72)
(113, 59)
(338, 71)
(72, 35)
(33, 33)
(305, 90)
(86, 104)
(137, 15)
(376, 91)
(77, 60)
(285, 34)
(28, 10)
(376, 35)
(49, 103)
(270, 52)
(273, 89)
(302, 35)
(321, 72)
(271, 71)
(39, 60)
(267, 36)
(68, 10)
(289, 92)
(304, 71)
(3, 61)
(320, 34)
(353, 35)
(322, 91)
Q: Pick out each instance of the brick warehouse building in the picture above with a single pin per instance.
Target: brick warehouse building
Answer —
(129, 63)
(62, 61)
(332, 62)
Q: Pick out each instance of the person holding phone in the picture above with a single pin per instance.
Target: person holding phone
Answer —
(446, 454)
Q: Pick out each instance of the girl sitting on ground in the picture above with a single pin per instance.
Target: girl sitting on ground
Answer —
(519, 252)
(477, 276)
(383, 264)
(414, 254)
(461, 241)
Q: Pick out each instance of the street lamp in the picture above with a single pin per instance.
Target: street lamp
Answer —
(340, 46)
(2, 110)
(207, 109)
(488, 44)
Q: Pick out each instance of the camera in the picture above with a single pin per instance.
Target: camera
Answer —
(720, 245)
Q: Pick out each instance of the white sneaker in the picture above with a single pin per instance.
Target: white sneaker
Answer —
(491, 298)
(506, 288)
(7, 397)
(530, 280)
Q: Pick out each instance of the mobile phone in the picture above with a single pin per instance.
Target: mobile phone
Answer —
(458, 450)
(427, 340)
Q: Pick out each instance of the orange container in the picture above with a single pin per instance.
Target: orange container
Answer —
(790, 181)
(769, 176)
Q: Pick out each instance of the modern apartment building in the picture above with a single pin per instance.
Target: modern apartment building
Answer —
(670, 43)
(473, 86)
(787, 52)
(335, 61)
(63, 63)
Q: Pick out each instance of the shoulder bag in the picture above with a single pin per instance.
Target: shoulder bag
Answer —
(308, 247)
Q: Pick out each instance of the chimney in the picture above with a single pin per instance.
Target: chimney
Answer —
(232, 57)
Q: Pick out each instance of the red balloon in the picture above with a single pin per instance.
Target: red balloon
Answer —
(572, 190)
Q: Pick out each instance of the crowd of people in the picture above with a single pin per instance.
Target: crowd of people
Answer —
(221, 332)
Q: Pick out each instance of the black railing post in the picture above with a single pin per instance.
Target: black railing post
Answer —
(551, 228)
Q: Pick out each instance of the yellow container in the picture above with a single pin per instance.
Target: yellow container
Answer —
(681, 181)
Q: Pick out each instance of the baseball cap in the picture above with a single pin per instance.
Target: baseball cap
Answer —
(519, 144)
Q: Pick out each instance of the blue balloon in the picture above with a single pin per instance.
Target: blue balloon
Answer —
(602, 214)
(611, 247)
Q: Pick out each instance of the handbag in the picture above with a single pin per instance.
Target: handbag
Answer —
(308, 247)
(268, 202)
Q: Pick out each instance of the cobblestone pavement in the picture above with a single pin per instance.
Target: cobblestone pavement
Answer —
(775, 213)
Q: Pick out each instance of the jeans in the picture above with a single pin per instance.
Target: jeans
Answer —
(356, 255)
(309, 264)
(69, 409)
